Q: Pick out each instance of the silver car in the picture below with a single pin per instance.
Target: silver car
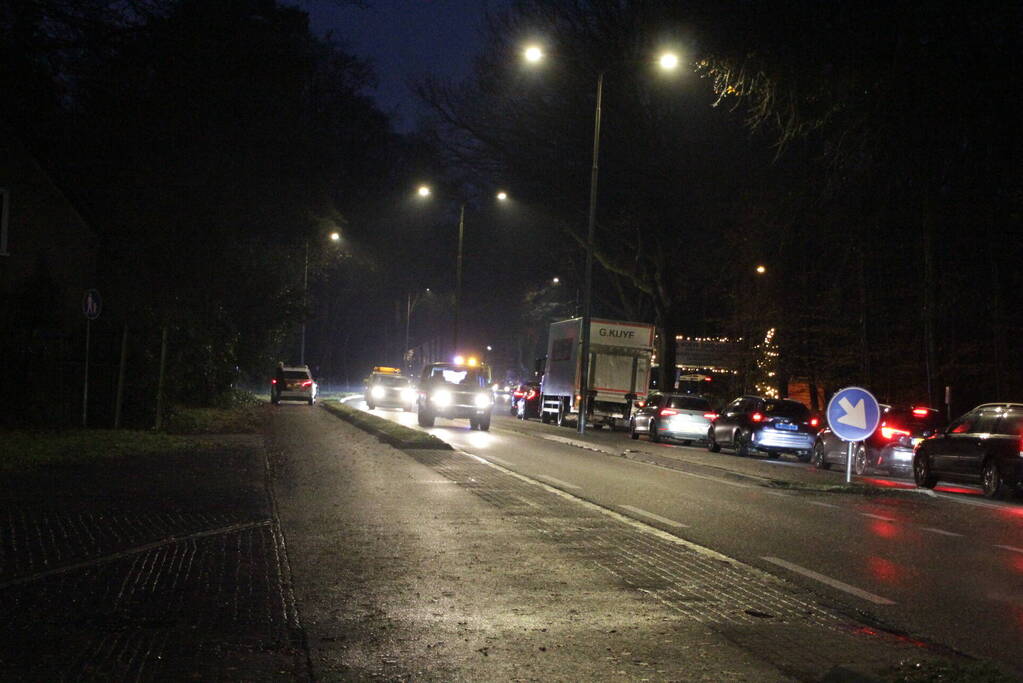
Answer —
(672, 416)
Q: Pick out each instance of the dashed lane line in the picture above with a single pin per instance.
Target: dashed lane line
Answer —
(825, 505)
(1010, 548)
(557, 482)
(650, 515)
(939, 531)
(585, 445)
(834, 583)
(880, 517)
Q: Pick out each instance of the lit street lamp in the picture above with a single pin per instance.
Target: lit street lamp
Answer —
(668, 61)
(334, 237)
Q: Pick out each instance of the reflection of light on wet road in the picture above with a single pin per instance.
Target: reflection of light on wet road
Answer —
(886, 483)
(481, 440)
(884, 570)
(884, 529)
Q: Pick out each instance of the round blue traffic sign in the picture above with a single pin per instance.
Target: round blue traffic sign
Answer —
(853, 414)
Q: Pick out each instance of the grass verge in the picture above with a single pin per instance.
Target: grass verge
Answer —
(238, 419)
(389, 432)
(24, 450)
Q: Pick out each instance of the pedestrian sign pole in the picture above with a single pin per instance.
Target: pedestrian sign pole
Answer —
(92, 305)
(853, 414)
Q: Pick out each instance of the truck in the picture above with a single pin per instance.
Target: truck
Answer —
(619, 371)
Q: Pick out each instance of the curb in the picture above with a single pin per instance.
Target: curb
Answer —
(386, 431)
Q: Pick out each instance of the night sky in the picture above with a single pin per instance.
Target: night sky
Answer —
(405, 40)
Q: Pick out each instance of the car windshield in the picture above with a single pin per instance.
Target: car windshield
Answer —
(688, 403)
(905, 418)
(296, 374)
(790, 409)
(462, 376)
(390, 380)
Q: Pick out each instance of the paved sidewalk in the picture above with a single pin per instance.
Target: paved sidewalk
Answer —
(149, 568)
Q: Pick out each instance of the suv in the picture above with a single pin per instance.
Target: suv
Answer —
(983, 446)
(293, 383)
(888, 449)
(772, 425)
(672, 416)
(456, 390)
(388, 387)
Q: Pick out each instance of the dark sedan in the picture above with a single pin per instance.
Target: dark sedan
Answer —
(771, 425)
(889, 449)
(984, 446)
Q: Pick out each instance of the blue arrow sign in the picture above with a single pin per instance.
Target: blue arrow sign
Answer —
(853, 414)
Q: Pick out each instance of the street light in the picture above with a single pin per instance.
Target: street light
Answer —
(334, 237)
(761, 270)
(424, 192)
(668, 61)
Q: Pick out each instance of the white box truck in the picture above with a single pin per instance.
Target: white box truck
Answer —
(619, 369)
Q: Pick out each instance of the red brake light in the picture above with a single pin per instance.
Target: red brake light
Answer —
(273, 381)
(531, 395)
(307, 383)
(756, 417)
(665, 412)
(892, 432)
(711, 416)
(814, 422)
(920, 412)
(518, 393)
(640, 404)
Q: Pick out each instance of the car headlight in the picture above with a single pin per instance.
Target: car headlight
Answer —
(483, 401)
(408, 395)
(441, 398)
(377, 392)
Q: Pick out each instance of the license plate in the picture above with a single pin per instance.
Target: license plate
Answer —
(787, 427)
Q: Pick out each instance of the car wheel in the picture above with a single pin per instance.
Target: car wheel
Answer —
(312, 401)
(818, 458)
(741, 444)
(922, 474)
(371, 405)
(652, 432)
(483, 424)
(712, 445)
(773, 455)
(860, 462)
(632, 430)
(425, 419)
(685, 442)
(994, 485)
(562, 419)
(473, 423)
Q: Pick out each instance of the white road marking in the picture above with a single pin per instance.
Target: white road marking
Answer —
(503, 463)
(824, 505)
(883, 519)
(940, 531)
(1009, 547)
(651, 515)
(777, 493)
(577, 443)
(968, 501)
(834, 583)
(715, 479)
(557, 482)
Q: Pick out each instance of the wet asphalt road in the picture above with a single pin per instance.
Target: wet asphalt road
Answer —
(945, 569)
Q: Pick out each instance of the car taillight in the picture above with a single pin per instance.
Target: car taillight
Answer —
(1021, 445)
(307, 383)
(273, 381)
(640, 404)
(531, 395)
(920, 412)
(518, 394)
(892, 432)
(667, 412)
(814, 422)
(756, 417)
(711, 416)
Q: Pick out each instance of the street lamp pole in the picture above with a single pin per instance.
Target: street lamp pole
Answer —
(584, 351)
(458, 276)
(305, 290)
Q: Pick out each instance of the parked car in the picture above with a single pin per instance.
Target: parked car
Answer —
(889, 449)
(528, 404)
(293, 383)
(771, 425)
(984, 446)
(456, 390)
(672, 416)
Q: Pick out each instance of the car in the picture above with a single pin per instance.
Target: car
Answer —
(459, 389)
(293, 383)
(889, 449)
(685, 417)
(772, 425)
(527, 401)
(387, 387)
(984, 446)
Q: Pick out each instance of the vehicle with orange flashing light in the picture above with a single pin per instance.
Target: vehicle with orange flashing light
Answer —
(459, 389)
(387, 387)
(889, 449)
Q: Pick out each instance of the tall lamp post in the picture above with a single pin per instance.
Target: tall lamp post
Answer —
(410, 305)
(424, 192)
(334, 237)
(668, 61)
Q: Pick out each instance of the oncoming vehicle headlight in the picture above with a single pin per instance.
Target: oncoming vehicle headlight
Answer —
(441, 398)
(377, 392)
(408, 395)
(483, 401)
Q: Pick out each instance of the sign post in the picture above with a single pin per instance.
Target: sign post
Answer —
(853, 414)
(92, 305)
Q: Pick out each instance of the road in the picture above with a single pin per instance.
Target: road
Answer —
(946, 569)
